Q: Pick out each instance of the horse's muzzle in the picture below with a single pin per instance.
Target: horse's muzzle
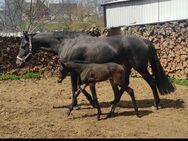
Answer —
(19, 63)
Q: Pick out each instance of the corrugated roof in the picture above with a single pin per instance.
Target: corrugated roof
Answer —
(114, 2)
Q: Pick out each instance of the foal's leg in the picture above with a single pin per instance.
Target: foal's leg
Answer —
(89, 98)
(115, 90)
(93, 91)
(117, 97)
(75, 98)
(131, 93)
(87, 95)
(74, 80)
(115, 87)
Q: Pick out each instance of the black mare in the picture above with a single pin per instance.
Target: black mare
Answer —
(131, 51)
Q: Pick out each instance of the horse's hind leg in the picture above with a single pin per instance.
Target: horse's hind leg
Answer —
(93, 91)
(151, 81)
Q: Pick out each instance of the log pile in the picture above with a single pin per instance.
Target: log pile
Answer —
(8, 52)
(171, 42)
(43, 62)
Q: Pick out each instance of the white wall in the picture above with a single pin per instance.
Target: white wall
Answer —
(145, 11)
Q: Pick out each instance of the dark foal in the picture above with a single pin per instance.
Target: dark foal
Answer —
(92, 73)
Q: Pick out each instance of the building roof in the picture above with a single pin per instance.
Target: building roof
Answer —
(114, 2)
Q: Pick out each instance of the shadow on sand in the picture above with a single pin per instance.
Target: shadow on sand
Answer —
(146, 103)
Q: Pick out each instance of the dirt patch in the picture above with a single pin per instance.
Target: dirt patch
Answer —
(26, 111)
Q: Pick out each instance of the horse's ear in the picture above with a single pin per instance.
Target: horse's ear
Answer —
(26, 35)
(63, 65)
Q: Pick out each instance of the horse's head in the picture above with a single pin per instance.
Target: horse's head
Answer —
(25, 49)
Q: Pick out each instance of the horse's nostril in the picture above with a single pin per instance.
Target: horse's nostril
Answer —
(18, 63)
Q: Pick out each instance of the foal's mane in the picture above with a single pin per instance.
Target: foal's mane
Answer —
(79, 61)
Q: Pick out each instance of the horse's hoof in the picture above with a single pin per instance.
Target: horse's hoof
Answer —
(98, 118)
(138, 115)
(59, 81)
(156, 107)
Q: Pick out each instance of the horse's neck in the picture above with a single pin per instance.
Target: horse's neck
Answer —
(46, 45)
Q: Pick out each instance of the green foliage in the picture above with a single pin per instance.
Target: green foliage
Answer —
(183, 82)
(9, 77)
(29, 75)
(79, 25)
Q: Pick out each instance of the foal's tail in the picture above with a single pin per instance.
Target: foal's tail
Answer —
(163, 83)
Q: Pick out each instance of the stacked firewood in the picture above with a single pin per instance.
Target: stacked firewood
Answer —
(94, 31)
(171, 41)
(8, 52)
(43, 62)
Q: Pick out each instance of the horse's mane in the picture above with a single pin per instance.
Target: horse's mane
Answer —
(67, 34)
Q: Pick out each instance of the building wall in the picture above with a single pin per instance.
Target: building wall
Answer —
(145, 11)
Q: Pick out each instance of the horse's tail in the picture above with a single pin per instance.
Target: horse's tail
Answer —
(164, 85)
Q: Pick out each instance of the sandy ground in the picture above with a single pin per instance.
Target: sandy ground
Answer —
(26, 111)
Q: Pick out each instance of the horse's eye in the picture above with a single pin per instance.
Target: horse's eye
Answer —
(23, 47)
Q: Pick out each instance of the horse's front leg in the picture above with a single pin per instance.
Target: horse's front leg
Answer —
(60, 77)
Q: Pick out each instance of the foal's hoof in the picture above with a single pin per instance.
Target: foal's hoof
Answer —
(109, 115)
(68, 113)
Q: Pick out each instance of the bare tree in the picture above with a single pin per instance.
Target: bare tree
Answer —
(11, 15)
(34, 15)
